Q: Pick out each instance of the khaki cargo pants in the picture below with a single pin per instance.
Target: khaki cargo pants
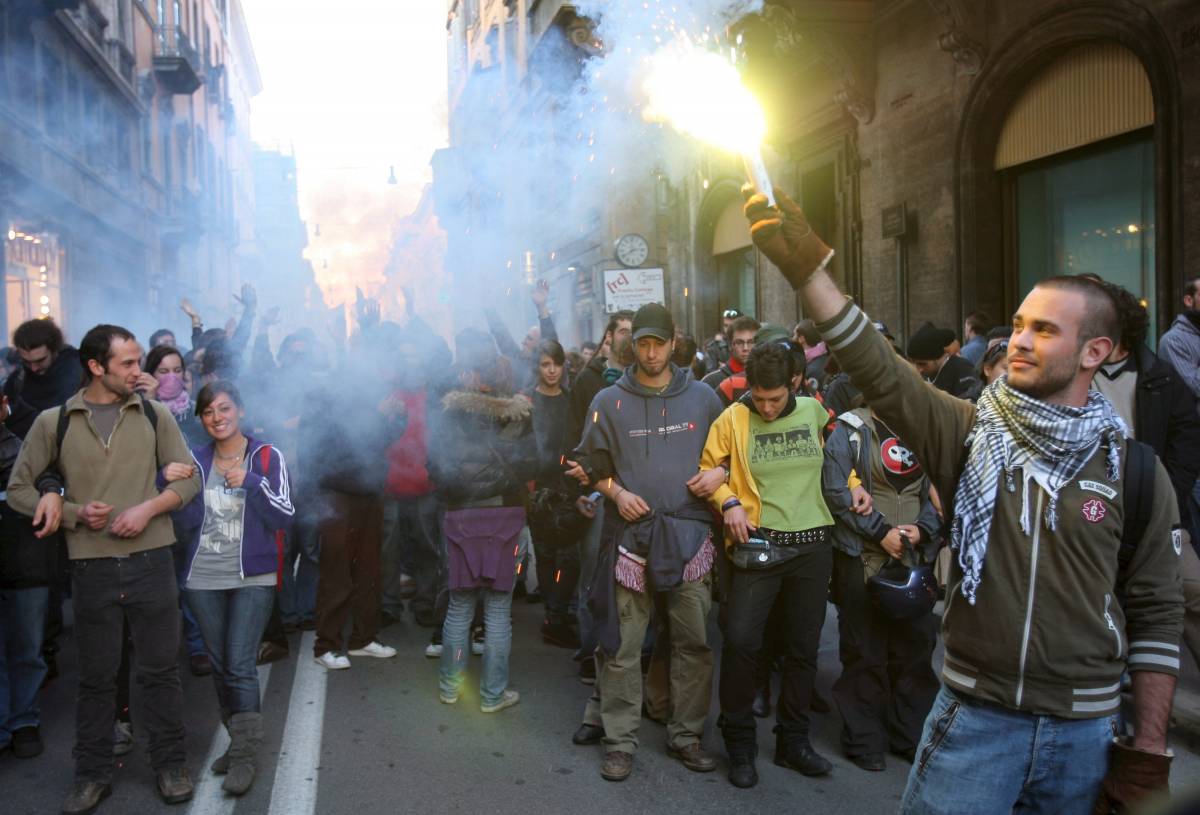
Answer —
(619, 676)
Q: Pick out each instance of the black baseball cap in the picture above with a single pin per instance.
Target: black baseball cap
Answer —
(653, 320)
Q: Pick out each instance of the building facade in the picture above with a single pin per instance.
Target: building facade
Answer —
(952, 151)
(126, 173)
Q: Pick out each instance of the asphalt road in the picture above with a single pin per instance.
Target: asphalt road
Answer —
(375, 739)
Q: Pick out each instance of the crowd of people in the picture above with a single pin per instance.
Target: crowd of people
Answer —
(219, 498)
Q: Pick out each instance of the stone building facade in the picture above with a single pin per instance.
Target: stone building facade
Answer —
(952, 151)
(126, 173)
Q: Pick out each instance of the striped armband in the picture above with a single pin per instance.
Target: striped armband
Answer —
(1153, 655)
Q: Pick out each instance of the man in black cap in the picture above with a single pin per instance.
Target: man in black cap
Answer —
(641, 447)
(948, 372)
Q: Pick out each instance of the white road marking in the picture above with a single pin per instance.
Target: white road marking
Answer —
(209, 798)
(295, 788)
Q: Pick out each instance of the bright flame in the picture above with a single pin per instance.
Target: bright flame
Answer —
(701, 94)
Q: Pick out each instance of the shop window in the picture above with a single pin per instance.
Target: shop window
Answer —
(1089, 211)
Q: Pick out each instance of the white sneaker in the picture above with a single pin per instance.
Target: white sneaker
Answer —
(122, 738)
(507, 699)
(447, 700)
(433, 650)
(374, 649)
(332, 661)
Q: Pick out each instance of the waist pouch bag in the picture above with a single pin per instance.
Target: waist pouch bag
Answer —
(767, 547)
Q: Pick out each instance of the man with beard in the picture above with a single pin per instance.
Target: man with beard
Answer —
(1033, 479)
(642, 447)
(1180, 346)
(110, 447)
(49, 373)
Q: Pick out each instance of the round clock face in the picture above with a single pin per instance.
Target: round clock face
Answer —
(632, 250)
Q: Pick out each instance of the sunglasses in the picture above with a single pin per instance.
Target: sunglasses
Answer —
(995, 352)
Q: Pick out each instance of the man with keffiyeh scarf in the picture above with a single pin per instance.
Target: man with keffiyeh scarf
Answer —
(1036, 640)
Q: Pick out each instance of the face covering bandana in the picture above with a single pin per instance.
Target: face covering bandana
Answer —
(171, 392)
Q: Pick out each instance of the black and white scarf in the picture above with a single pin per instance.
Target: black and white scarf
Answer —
(1048, 443)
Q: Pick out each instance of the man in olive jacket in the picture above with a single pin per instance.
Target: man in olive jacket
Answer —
(1032, 478)
(119, 535)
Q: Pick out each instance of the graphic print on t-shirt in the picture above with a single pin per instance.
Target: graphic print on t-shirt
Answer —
(798, 442)
(899, 464)
(222, 531)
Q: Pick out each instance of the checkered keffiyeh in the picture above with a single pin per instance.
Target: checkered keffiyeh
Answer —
(1049, 443)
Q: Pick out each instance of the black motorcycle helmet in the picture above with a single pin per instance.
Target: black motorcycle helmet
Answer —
(903, 592)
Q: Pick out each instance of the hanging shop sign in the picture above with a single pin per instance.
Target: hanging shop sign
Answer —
(630, 289)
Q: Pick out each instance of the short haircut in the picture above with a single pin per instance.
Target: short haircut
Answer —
(36, 333)
(1101, 317)
(770, 366)
(808, 330)
(159, 334)
(979, 322)
(624, 315)
(1135, 322)
(1000, 332)
(552, 349)
(218, 359)
(209, 393)
(97, 345)
(1191, 288)
(158, 354)
(743, 324)
(588, 345)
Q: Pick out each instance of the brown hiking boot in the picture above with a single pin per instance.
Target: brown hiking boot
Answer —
(85, 796)
(617, 765)
(175, 785)
(694, 758)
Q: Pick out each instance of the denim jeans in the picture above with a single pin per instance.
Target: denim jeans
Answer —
(142, 589)
(497, 642)
(233, 621)
(22, 668)
(981, 758)
(412, 544)
(191, 631)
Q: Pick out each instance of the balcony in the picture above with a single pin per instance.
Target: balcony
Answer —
(176, 61)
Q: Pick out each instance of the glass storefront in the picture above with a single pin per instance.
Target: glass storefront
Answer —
(1090, 210)
(32, 277)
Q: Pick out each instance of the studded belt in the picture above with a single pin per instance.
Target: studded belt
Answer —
(777, 537)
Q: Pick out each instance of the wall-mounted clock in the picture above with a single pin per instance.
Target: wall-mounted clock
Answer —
(632, 250)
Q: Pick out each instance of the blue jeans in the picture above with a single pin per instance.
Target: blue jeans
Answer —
(981, 758)
(497, 642)
(233, 621)
(22, 624)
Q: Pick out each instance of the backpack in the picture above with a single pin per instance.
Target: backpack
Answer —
(1138, 503)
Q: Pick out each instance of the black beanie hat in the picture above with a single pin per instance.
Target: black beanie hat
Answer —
(929, 342)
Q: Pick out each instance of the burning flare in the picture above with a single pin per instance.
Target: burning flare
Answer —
(701, 94)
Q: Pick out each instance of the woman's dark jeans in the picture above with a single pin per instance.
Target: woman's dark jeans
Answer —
(232, 622)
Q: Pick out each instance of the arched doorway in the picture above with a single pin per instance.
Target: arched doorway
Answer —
(1031, 178)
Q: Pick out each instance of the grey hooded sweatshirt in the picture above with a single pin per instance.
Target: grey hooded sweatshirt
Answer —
(649, 441)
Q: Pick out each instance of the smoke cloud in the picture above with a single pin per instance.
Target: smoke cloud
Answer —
(538, 177)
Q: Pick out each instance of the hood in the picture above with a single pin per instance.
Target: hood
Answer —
(748, 401)
(497, 408)
(679, 382)
(1188, 322)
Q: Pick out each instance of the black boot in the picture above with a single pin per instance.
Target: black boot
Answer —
(796, 753)
(742, 773)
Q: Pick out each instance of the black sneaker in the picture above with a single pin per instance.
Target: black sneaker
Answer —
(27, 742)
(587, 671)
(560, 634)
